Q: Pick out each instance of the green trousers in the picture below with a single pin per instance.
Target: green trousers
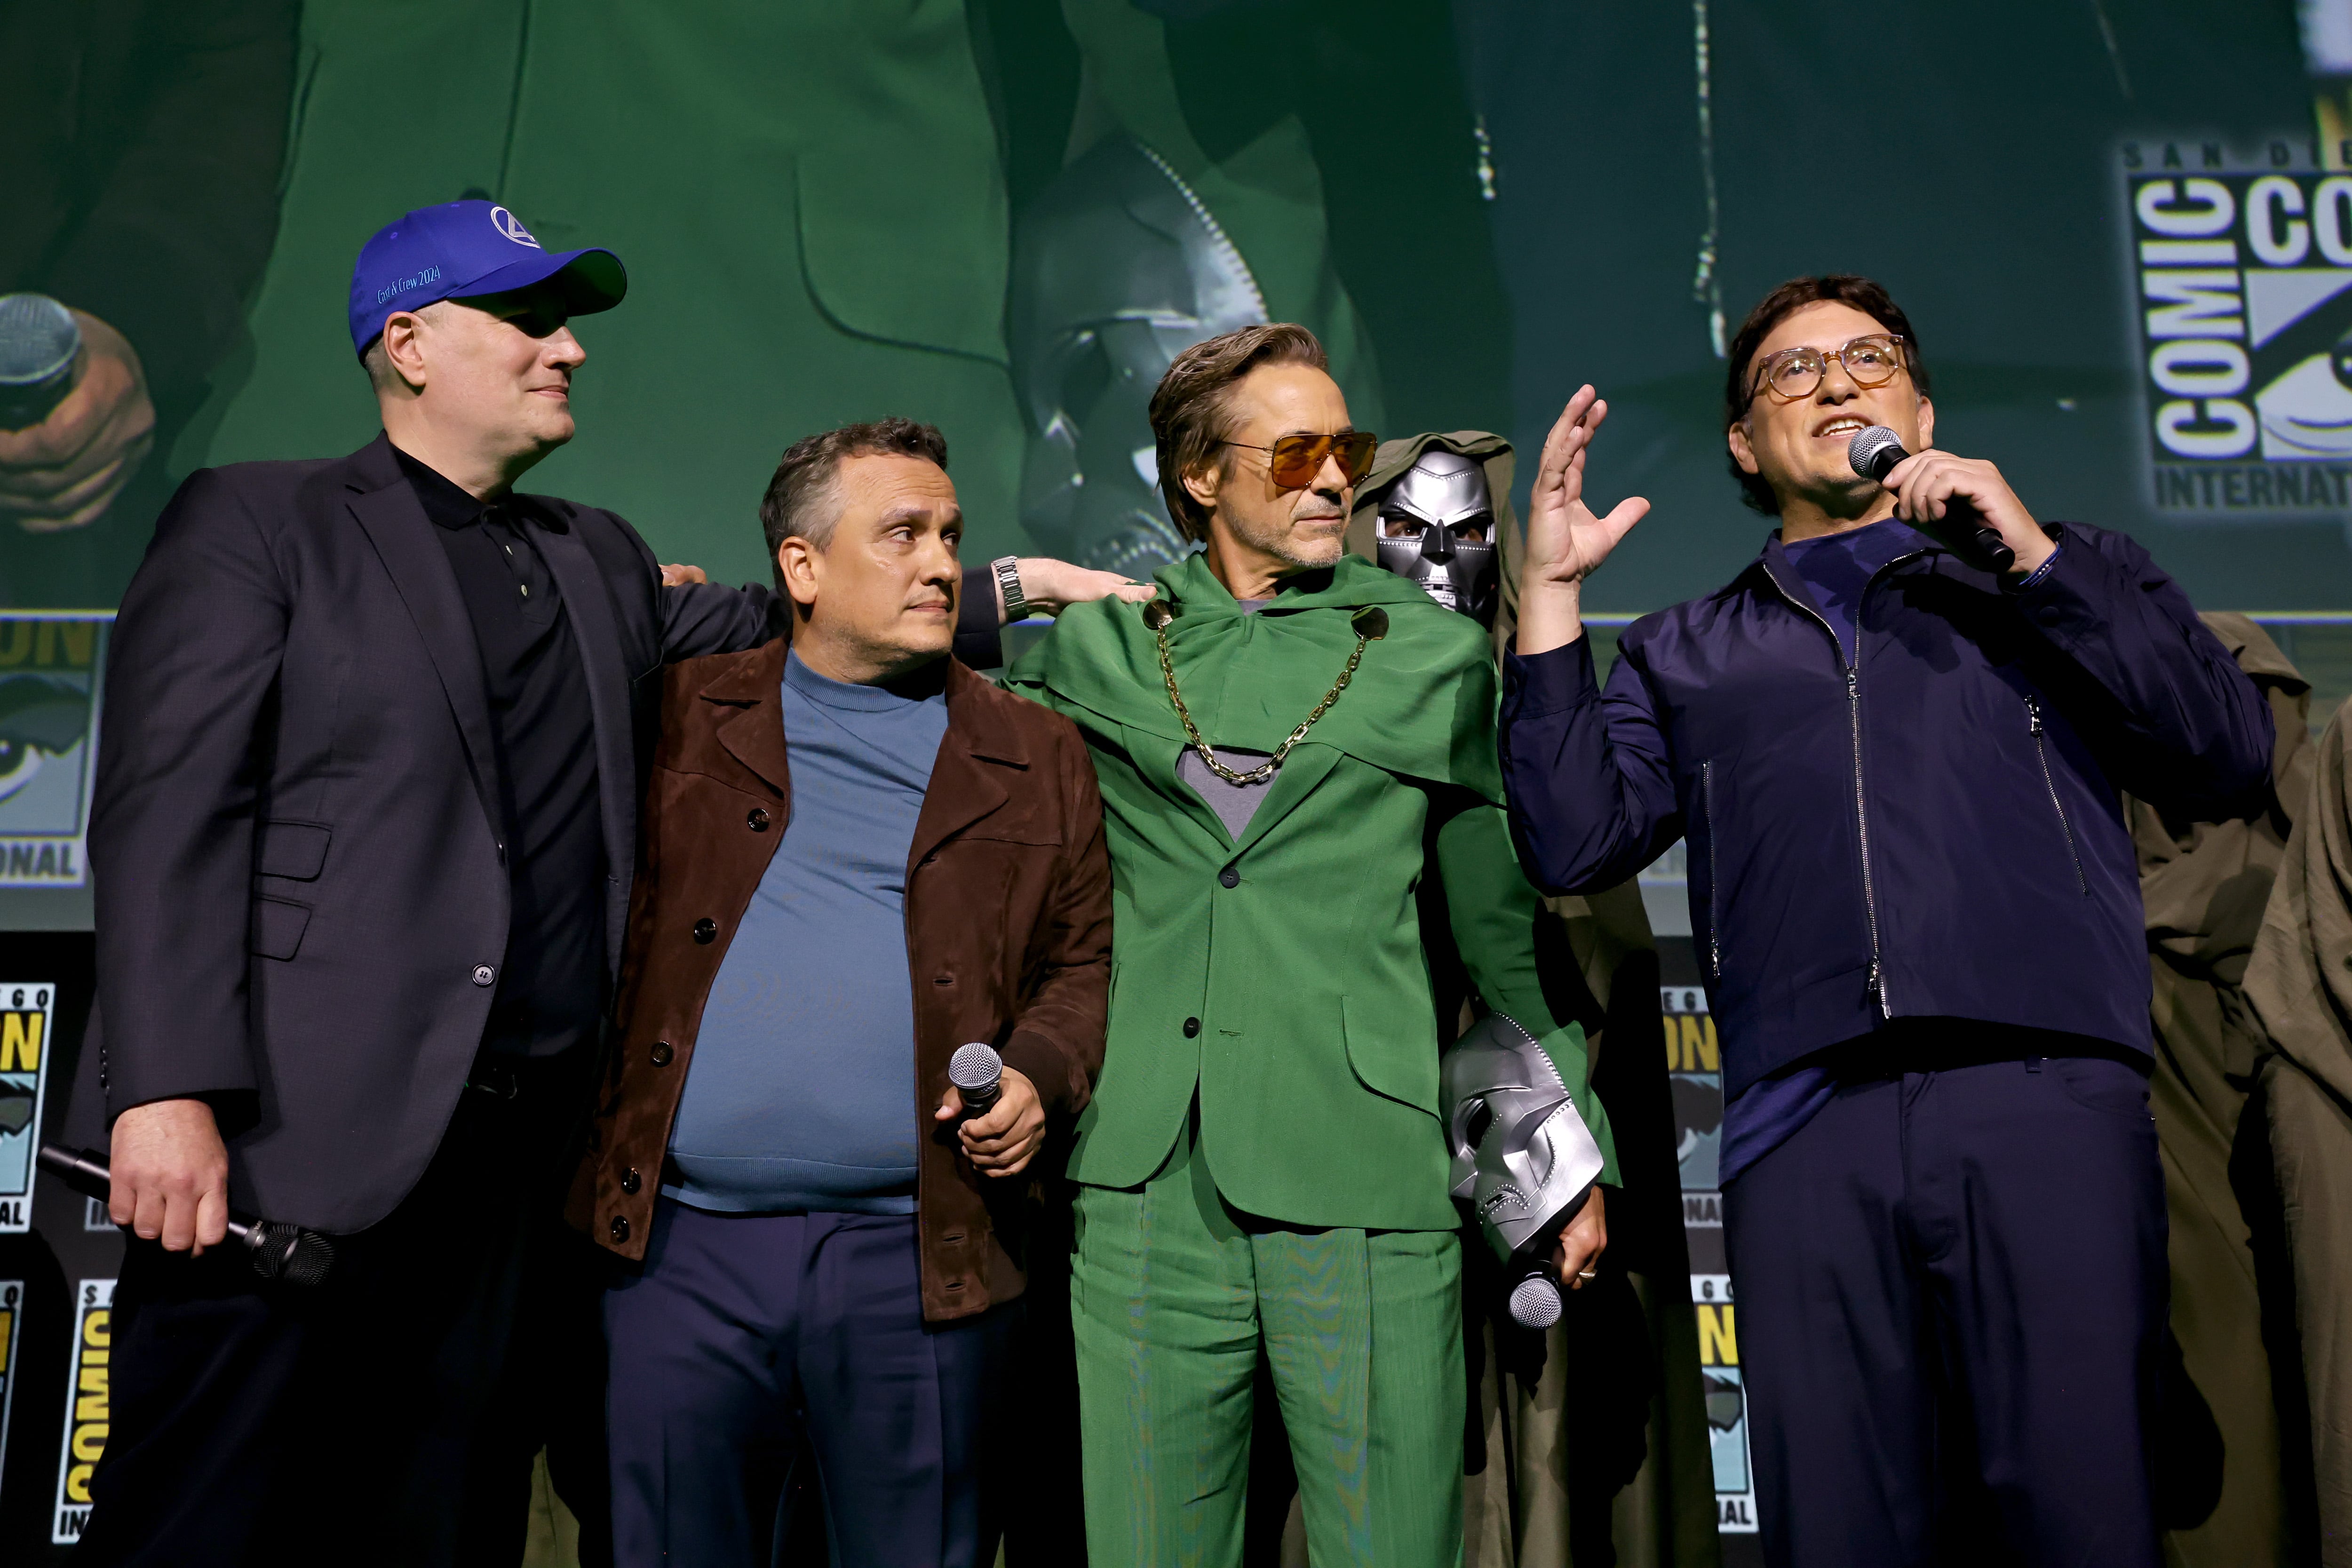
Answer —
(1173, 1295)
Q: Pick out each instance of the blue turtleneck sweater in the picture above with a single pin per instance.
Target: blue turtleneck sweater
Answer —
(802, 1091)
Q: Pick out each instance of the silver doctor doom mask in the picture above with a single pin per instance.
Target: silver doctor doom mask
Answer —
(1523, 1158)
(1437, 527)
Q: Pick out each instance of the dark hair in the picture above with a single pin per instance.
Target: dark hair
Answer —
(1837, 288)
(1191, 410)
(800, 498)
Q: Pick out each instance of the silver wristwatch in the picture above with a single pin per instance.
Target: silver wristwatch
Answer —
(1008, 578)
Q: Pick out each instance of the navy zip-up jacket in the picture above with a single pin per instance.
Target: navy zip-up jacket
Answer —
(1932, 831)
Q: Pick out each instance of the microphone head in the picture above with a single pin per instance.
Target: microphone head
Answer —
(975, 1069)
(38, 339)
(312, 1260)
(289, 1253)
(1535, 1302)
(1874, 452)
(39, 342)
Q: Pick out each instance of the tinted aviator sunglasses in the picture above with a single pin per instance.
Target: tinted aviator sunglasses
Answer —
(1295, 460)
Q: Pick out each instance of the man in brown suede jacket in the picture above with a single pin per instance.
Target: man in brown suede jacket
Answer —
(856, 856)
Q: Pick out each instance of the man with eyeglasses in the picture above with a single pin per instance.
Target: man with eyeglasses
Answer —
(1290, 741)
(1916, 909)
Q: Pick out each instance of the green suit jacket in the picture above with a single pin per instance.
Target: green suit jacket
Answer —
(1296, 1002)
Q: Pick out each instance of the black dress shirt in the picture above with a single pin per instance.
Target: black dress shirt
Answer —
(551, 985)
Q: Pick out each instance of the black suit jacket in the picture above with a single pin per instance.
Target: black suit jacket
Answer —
(300, 890)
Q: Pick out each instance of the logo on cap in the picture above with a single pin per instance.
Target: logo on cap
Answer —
(507, 224)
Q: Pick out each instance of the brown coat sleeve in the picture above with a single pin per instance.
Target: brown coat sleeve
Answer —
(1057, 1040)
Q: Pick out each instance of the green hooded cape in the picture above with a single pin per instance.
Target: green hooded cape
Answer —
(1295, 1003)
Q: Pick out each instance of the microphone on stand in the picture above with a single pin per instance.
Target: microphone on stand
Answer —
(40, 345)
(1874, 452)
(279, 1251)
(978, 1073)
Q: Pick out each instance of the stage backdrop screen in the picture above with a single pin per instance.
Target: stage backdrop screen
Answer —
(2123, 233)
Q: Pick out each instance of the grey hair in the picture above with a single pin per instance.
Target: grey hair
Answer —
(802, 499)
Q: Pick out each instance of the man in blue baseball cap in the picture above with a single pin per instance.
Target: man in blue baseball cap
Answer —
(369, 819)
(376, 732)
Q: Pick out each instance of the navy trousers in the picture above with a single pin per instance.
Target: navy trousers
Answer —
(387, 1418)
(751, 1342)
(1950, 1291)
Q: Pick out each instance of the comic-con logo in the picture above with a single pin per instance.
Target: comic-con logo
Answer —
(12, 1315)
(27, 1019)
(2245, 298)
(88, 1409)
(49, 725)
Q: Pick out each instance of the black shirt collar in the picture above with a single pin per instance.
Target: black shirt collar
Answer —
(445, 502)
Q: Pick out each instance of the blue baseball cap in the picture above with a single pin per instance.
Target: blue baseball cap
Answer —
(463, 249)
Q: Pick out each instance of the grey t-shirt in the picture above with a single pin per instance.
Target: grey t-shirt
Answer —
(1234, 804)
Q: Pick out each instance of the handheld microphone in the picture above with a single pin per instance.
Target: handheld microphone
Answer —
(1874, 452)
(40, 345)
(978, 1073)
(1535, 1302)
(278, 1251)
(1538, 1297)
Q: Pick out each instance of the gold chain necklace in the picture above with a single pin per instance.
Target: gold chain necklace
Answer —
(1371, 624)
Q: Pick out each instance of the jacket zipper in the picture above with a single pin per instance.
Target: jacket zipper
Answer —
(1875, 984)
(2050, 783)
(1714, 884)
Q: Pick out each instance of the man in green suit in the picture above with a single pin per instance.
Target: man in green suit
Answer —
(1289, 739)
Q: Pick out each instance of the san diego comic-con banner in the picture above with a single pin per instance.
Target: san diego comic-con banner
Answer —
(12, 1320)
(28, 1024)
(86, 1409)
(59, 1258)
(1695, 1072)
(50, 686)
(2241, 279)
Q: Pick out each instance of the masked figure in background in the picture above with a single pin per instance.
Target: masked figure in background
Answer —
(1290, 742)
(1614, 1464)
(2299, 982)
(2226, 1503)
(1437, 527)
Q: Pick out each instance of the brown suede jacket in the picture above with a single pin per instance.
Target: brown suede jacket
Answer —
(1008, 940)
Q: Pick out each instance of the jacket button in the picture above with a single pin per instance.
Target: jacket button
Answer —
(661, 1053)
(1230, 878)
(706, 931)
(620, 1228)
(631, 1181)
(484, 974)
(1191, 1027)
(758, 820)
